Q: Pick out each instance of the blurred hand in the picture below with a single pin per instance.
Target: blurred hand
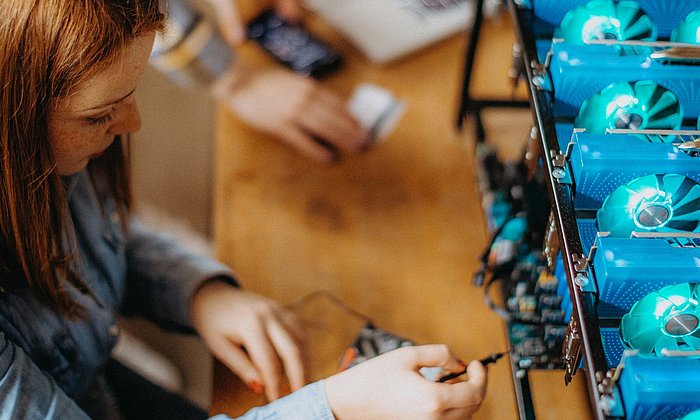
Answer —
(389, 386)
(295, 109)
(231, 24)
(254, 337)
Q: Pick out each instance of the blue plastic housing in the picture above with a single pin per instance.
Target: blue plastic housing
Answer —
(612, 345)
(626, 270)
(588, 232)
(600, 163)
(666, 14)
(563, 288)
(660, 388)
(580, 71)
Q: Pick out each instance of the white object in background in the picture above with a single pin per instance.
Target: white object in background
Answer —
(146, 361)
(388, 29)
(376, 109)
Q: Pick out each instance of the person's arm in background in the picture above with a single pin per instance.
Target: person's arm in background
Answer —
(296, 110)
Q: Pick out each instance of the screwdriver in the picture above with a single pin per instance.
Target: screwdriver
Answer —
(491, 358)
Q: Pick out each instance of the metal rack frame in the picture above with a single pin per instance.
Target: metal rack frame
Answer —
(583, 341)
(470, 106)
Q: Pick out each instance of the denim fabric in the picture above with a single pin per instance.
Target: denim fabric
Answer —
(49, 363)
(308, 403)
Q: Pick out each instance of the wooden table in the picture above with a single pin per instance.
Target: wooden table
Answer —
(394, 233)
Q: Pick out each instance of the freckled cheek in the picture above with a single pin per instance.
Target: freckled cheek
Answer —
(72, 144)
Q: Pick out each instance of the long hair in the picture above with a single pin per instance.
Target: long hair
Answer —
(47, 48)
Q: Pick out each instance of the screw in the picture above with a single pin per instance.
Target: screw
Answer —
(581, 280)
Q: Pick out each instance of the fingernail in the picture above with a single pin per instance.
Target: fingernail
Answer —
(256, 387)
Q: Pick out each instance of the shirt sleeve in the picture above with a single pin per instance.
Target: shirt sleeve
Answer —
(308, 403)
(27, 392)
(162, 277)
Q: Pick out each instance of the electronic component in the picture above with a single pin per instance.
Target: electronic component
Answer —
(293, 45)
(605, 19)
(652, 203)
(630, 105)
(665, 320)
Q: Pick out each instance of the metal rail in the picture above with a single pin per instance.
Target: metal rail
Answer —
(583, 341)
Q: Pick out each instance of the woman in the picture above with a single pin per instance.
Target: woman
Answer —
(72, 260)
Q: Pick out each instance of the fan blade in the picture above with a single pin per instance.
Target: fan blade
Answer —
(687, 209)
(665, 342)
(692, 341)
(652, 304)
(678, 294)
(641, 29)
(615, 221)
(681, 226)
(680, 187)
(647, 92)
(640, 333)
(614, 90)
(628, 14)
(665, 113)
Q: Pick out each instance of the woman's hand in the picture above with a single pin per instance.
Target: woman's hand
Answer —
(390, 386)
(232, 26)
(295, 109)
(257, 339)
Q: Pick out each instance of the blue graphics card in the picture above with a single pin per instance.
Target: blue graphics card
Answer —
(665, 15)
(665, 388)
(689, 30)
(612, 345)
(601, 163)
(630, 105)
(605, 19)
(652, 203)
(664, 320)
(626, 270)
(580, 72)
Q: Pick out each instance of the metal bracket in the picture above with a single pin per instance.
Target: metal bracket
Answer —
(571, 350)
(558, 164)
(580, 262)
(551, 242)
(540, 73)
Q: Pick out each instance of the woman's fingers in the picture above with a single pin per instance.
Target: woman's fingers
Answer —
(290, 9)
(467, 394)
(439, 355)
(327, 118)
(305, 144)
(238, 362)
(290, 353)
(275, 351)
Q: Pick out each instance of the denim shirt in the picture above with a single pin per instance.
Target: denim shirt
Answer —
(50, 366)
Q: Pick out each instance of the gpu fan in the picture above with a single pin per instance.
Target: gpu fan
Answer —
(689, 30)
(604, 19)
(666, 319)
(652, 203)
(630, 105)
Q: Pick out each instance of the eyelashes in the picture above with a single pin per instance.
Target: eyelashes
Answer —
(104, 119)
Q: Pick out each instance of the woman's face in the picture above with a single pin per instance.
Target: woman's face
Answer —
(83, 124)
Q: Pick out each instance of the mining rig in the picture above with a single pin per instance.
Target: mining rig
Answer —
(596, 233)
